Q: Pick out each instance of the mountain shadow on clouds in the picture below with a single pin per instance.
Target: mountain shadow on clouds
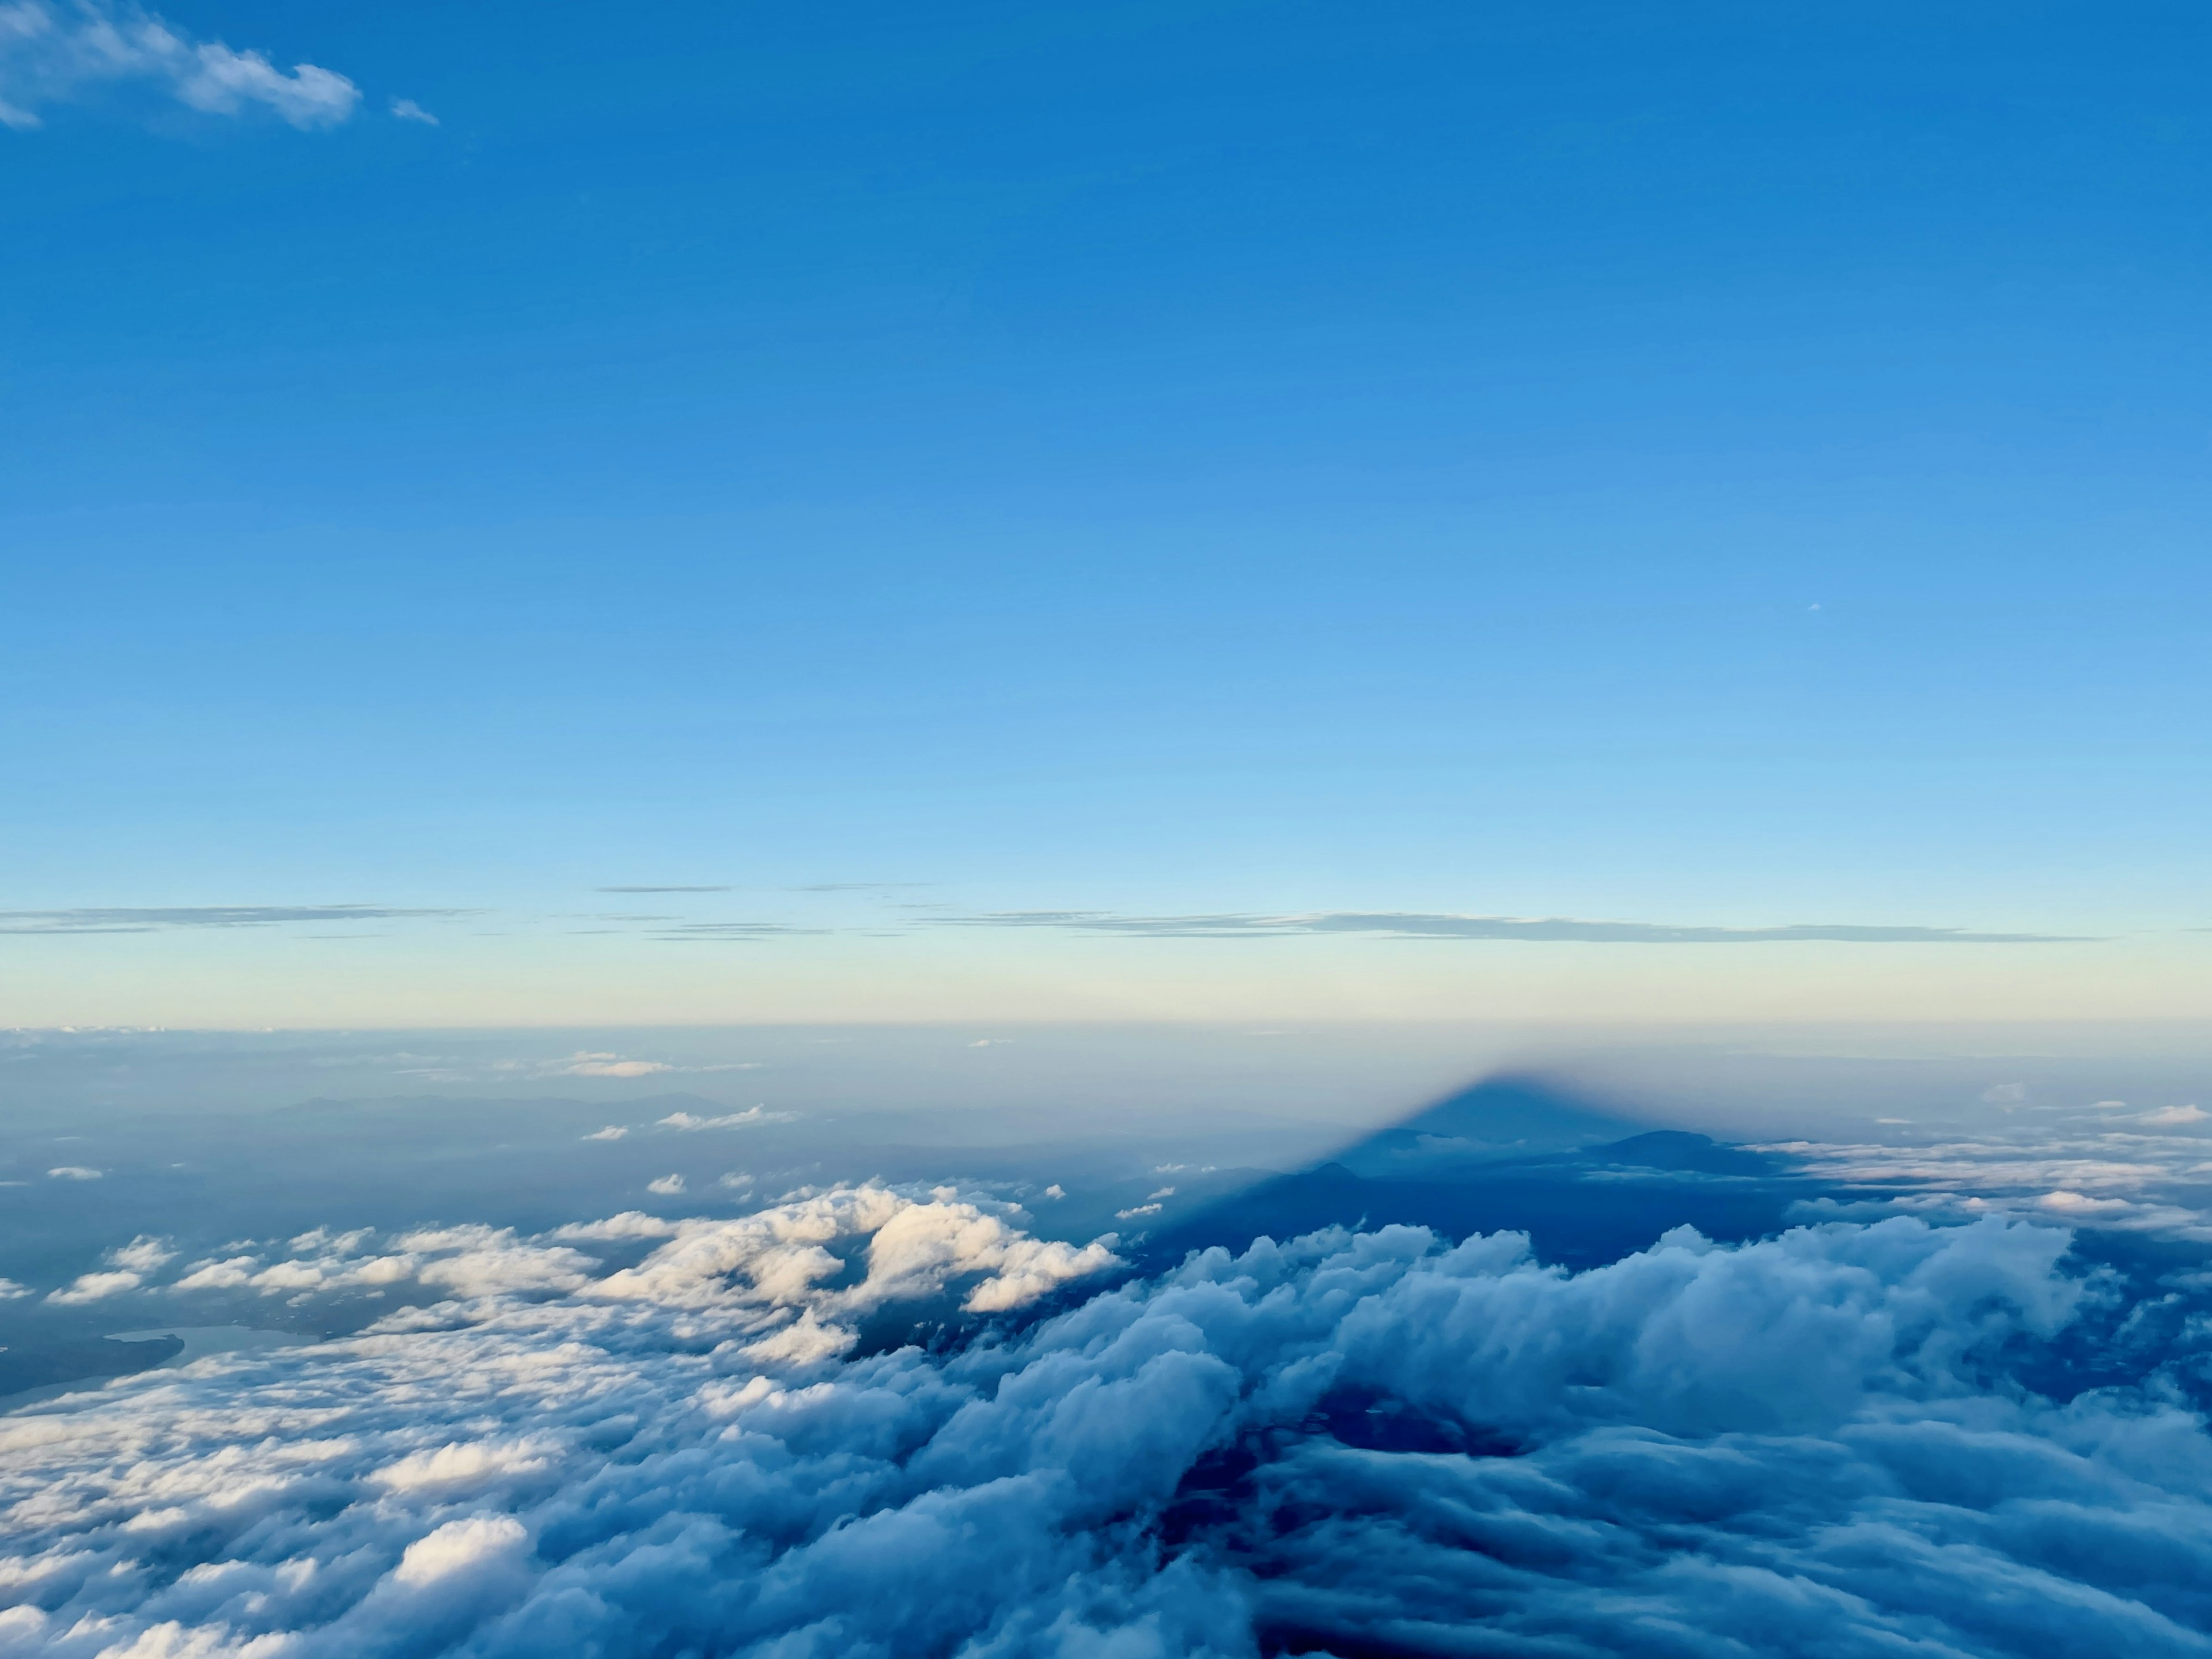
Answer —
(1587, 1184)
(1498, 1119)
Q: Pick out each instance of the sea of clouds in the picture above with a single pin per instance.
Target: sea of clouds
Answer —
(1355, 1443)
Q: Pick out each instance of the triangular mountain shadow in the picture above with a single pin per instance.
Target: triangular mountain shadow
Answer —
(1586, 1184)
(1502, 1117)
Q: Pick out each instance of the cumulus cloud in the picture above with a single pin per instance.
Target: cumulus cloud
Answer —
(128, 1266)
(612, 1131)
(94, 1287)
(461, 1547)
(468, 1262)
(1352, 1443)
(73, 1172)
(143, 1255)
(629, 1224)
(758, 1273)
(796, 1256)
(667, 1186)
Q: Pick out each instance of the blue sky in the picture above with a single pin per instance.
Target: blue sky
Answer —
(919, 469)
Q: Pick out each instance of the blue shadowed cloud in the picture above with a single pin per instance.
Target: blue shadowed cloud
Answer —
(1371, 1442)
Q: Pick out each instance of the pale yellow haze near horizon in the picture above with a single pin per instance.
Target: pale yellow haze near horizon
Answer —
(258, 977)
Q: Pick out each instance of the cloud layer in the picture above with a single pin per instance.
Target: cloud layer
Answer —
(1356, 1443)
(157, 919)
(52, 54)
(1402, 924)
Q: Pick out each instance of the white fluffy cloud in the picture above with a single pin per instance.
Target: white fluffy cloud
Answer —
(754, 1276)
(128, 1265)
(58, 54)
(1355, 1442)
(94, 1287)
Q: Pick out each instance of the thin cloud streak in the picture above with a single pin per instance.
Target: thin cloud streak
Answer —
(162, 919)
(706, 931)
(1409, 925)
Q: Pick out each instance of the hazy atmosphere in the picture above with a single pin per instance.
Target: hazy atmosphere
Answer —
(1113, 831)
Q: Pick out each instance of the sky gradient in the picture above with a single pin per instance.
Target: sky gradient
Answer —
(1235, 511)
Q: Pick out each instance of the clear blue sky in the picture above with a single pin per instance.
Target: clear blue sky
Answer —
(1724, 467)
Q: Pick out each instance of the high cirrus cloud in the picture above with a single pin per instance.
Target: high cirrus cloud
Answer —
(1355, 1442)
(54, 54)
(1414, 925)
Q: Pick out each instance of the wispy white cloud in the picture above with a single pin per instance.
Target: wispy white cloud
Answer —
(2169, 1117)
(2141, 1173)
(52, 54)
(594, 1062)
(751, 1114)
(608, 1065)
(406, 109)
